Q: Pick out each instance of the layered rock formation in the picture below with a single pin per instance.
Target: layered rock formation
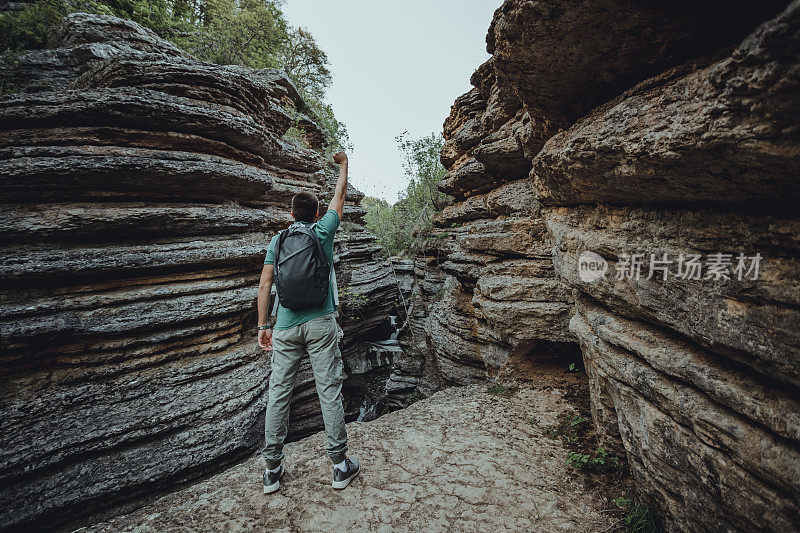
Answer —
(500, 295)
(140, 189)
(415, 372)
(658, 136)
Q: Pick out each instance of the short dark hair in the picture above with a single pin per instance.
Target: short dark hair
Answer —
(305, 206)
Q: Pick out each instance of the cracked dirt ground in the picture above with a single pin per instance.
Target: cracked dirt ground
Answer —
(463, 460)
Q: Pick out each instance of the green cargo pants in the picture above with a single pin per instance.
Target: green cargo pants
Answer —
(320, 339)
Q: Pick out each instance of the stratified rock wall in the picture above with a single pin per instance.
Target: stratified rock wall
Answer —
(663, 129)
(696, 378)
(140, 188)
(500, 295)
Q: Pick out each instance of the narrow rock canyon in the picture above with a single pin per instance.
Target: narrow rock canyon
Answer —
(657, 141)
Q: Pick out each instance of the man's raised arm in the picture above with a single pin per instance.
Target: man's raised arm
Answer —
(337, 204)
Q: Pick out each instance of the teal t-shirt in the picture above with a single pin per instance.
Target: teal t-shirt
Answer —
(325, 230)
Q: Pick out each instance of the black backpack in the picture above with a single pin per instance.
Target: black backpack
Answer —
(302, 273)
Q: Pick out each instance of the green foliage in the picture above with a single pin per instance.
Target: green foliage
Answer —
(578, 460)
(500, 390)
(336, 131)
(577, 419)
(354, 297)
(621, 501)
(353, 302)
(639, 517)
(552, 432)
(403, 228)
(27, 29)
(305, 62)
(413, 398)
(598, 461)
(233, 32)
(253, 33)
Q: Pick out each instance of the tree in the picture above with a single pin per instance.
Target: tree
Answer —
(402, 227)
(424, 168)
(305, 63)
(237, 32)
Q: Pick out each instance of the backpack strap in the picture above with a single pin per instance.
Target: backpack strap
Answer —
(333, 281)
(310, 230)
(278, 243)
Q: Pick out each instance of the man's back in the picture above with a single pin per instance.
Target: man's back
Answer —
(325, 229)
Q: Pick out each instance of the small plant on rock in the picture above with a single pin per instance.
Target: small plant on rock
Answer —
(639, 517)
(552, 432)
(577, 419)
(413, 398)
(499, 390)
(597, 461)
(621, 501)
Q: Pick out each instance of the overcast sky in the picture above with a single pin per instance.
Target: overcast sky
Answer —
(397, 65)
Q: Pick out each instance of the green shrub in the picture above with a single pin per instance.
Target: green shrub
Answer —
(639, 517)
(597, 461)
(499, 390)
(27, 28)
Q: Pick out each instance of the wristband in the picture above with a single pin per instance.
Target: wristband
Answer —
(265, 327)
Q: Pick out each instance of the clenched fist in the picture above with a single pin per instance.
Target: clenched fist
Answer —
(340, 157)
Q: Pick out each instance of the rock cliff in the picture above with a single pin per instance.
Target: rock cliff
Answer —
(497, 293)
(648, 133)
(140, 188)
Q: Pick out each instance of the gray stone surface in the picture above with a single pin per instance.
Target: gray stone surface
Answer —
(418, 473)
(718, 444)
(563, 60)
(751, 321)
(662, 141)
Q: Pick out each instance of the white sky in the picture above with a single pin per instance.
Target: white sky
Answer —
(397, 65)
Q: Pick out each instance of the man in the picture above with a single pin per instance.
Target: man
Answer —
(313, 331)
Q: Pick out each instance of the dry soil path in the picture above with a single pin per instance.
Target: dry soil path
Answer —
(462, 460)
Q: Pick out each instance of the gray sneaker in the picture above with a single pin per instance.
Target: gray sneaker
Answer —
(341, 479)
(272, 480)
